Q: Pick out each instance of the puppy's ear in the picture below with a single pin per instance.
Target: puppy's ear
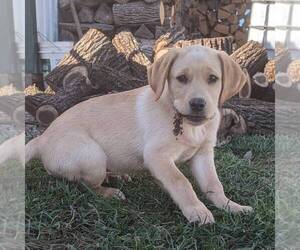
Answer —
(158, 72)
(233, 77)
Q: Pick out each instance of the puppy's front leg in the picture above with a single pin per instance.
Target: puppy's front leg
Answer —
(164, 169)
(204, 170)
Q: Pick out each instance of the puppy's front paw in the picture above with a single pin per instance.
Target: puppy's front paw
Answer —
(233, 207)
(199, 214)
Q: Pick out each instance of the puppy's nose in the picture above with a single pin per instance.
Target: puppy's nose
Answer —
(197, 104)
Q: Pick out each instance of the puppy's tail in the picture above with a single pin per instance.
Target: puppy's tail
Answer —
(32, 149)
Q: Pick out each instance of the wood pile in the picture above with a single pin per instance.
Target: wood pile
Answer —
(98, 65)
(149, 19)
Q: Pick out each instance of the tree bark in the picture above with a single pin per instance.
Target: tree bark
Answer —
(258, 115)
(251, 56)
(46, 108)
(94, 49)
(218, 43)
(136, 13)
(171, 40)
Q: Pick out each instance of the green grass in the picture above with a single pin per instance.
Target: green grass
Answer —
(69, 215)
(12, 200)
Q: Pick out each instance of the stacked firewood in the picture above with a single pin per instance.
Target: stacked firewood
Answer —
(149, 19)
(98, 65)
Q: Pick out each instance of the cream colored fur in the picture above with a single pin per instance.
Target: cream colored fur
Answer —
(134, 131)
(13, 148)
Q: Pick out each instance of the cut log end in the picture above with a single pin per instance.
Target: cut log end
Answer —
(46, 114)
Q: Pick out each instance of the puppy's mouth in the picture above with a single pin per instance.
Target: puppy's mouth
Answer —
(197, 119)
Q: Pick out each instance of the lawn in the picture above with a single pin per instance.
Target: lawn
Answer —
(65, 215)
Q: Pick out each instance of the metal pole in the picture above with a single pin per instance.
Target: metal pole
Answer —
(33, 73)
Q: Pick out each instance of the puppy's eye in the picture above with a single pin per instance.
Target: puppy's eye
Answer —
(182, 79)
(212, 79)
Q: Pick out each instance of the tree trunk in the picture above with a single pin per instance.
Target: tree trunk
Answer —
(127, 45)
(92, 50)
(136, 13)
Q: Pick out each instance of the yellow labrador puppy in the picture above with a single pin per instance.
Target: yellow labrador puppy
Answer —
(135, 130)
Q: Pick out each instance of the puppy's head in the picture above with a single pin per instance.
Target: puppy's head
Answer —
(199, 80)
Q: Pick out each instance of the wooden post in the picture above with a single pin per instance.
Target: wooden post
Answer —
(33, 72)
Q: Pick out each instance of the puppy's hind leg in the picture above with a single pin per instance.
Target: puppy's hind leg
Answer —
(84, 161)
(94, 174)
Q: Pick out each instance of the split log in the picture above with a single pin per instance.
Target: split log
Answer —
(222, 28)
(127, 45)
(258, 115)
(251, 56)
(86, 15)
(146, 46)
(144, 32)
(104, 14)
(93, 49)
(136, 13)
